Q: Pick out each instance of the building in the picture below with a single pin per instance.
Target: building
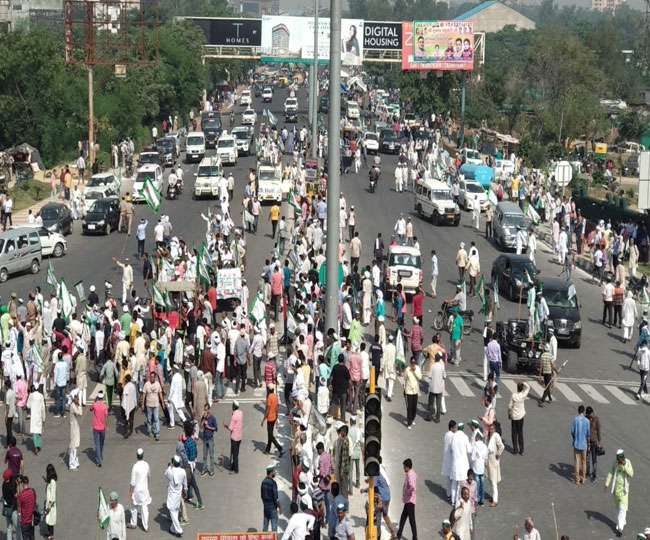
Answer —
(14, 13)
(492, 16)
(255, 8)
(606, 5)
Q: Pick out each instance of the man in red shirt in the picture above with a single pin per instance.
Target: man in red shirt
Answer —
(212, 298)
(276, 290)
(26, 505)
(417, 309)
(417, 337)
(100, 416)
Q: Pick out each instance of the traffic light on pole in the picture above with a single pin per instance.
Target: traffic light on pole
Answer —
(372, 435)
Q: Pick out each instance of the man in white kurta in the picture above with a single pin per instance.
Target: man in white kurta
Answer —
(177, 485)
(139, 490)
(175, 399)
(446, 457)
(116, 529)
(460, 452)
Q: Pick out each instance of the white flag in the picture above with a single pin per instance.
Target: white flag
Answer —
(151, 195)
(67, 305)
(257, 312)
(400, 357)
(103, 515)
(532, 214)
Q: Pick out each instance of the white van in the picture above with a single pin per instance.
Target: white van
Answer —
(269, 183)
(194, 146)
(433, 200)
(150, 172)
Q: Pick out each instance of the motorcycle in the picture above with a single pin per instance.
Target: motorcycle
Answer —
(172, 191)
(445, 319)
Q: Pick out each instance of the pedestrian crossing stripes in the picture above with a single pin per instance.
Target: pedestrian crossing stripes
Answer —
(572, 392)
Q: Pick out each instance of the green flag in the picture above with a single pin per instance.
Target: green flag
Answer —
(66, 301)
(202, 270)
(151, 195)
(51, 278)
(158, 297)
(257, 312)
(37, 357)
(292, 198)
(103, 515)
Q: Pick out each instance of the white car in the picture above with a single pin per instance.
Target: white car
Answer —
(207, 178)
(53, 244)
(470, 194)
(371, 142)
(249, 117)
(91, 196)
(194, 146)
(150, 172)
(291, 105)
(404, 267)
(244, 139)
(503, 168)
(471, 156)
(353, 110)
(267, 94)
(227, 148)
(104, 182)
(245, 98)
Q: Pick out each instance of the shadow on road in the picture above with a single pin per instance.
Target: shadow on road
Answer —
(565, 470)
(436, 489)
(591, 514)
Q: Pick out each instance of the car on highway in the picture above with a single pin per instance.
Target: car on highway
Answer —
(503, 168)
(166, 147)
(269, 183)
(91, 196)
(244, 139)
(207, 178)
(513, 275)
(149, 157)
(257, 90)
(564, 311)
(53, 244)
(291, 104)
(404, 265)
(20, 250)
(103, 218)
(353, 112)
(106, 182)
(371, 142)
(434, 200)
(153, 173)
(471, 156)
(267, 94)
(249, 117)
(211, 129)
(508, 219)
(57, 218)
(389, 143)
(194, 146)
(245, 98)
(227, 148)
(471, 193)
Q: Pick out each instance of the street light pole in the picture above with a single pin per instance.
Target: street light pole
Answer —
(461, 142)
(315, 86)
(334, 164)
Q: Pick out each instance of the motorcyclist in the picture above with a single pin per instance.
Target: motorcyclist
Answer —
(459, 300)
(171, 182)
(373, 176)
(179, 176)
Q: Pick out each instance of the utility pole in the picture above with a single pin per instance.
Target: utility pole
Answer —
(90, 64)
(461, 141)
(334, 170)
(315, 87)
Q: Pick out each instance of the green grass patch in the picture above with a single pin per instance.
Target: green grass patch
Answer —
(28, 193)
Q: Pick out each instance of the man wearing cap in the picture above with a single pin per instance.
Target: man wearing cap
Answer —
(437, 377)
(116, 528)
(460, 452)
(342, 461)
(127, 278)
(343, 530)
(139, 491)
(176, 487)
(619, 480)
(271, 417)
(270, 499)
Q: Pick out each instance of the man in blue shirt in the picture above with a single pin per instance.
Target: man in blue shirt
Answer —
(269, 494)
(61, 375)
(580, 432)
(208, 427)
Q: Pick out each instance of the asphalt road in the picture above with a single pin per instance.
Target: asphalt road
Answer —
(595, 374)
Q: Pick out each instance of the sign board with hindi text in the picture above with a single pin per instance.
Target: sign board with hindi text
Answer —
(438, 46)
(229, 283)
(237, 536)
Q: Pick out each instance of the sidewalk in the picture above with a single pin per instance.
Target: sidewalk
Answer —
(20, 217)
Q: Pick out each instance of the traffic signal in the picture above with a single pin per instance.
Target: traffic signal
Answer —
(372, 435)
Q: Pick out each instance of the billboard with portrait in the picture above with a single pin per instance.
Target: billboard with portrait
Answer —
(438, 45)
(292, 39)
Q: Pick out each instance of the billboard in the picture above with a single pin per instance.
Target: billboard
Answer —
(290, 39)
(448, 45)
(233, 32)
(238, 536)
(382, 35)
(435, 64)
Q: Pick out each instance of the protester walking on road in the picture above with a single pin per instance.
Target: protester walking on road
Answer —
(236, 429)
(516, 413)
(409, 499)
(76, 411)
(618, 480)
(139, 491)
(594, 442)
(580, 434)
(36, 406)
(50, 501)
(412, 378)
(100, 416)
(270, 500)
(176, 488)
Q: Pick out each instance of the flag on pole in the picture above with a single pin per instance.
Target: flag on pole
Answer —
(481, 294)
(257, 311)
(572, 292)
(202, 270)
(291, 322)
(103, 515)
(272, 119)
(158, 297)
(51, 278)
(79, 287)
(292, 198)
(492, 197)
(66, 301)
(528, 278)
(151, 195)
(532, 214)
(400, 357)
(37, 357)
(167, 268)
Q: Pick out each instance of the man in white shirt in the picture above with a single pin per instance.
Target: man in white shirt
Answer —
(177, 479)
(531, 532)
(607, 292)
(159, 233)
(478, 459)
(300, 523)
(434, 273)
(139, 491)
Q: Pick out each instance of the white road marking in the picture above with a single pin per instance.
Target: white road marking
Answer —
(461, 386)
(510, 385)
(620, 395)
(568, 393)
(593, 393)
(536, 387)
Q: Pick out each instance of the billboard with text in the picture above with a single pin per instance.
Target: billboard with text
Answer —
(233, 32)
(438, 46)
(382, 35)
(291, 39)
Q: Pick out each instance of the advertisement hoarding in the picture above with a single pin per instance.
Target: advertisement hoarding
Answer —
(438, 46)
(233, 32)
(382, 35)
(238, 536)
(290, 39)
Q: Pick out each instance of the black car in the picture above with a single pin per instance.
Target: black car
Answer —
(212, 131)
(389, 143)
(290, 117)
(166, 148)
(511, 273)
(564, 310)
(103, 217)
(57, 218)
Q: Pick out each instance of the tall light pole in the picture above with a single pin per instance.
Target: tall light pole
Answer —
(334, 164)
(315, 86)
